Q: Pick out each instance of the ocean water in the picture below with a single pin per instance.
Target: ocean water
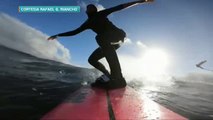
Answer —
(191, 99)
(30, 87)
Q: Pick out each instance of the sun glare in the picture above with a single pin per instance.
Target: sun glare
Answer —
(154, 62)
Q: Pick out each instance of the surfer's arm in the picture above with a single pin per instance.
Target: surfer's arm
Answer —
(123, 6)
(70, 33)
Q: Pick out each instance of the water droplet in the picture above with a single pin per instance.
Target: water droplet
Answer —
(84, 83)
(34, 89)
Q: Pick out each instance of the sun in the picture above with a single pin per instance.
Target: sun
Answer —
(154, 61)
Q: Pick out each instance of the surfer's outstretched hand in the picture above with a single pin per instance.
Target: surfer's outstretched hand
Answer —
(52, 37)
(145, 1)
(148, 0)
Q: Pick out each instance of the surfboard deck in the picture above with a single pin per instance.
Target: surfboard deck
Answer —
(128, 104)
(118, 104)
(84, 103)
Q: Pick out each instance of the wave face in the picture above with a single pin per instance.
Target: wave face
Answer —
(31, 86)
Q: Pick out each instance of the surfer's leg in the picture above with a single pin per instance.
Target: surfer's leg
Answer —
(109, 52)
(94, 61)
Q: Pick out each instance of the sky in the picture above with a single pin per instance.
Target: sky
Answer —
(183, 29)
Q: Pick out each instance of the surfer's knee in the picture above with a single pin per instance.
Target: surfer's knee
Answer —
(99, 40)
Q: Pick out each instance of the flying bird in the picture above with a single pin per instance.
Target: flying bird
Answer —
(201, 63)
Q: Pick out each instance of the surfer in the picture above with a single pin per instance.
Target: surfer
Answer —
(109, 38)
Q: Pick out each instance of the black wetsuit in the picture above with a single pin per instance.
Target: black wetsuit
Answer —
(107, 33)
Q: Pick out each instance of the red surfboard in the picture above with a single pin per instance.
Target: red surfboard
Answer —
(119, 104)
(84, 104)
(127, 104)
